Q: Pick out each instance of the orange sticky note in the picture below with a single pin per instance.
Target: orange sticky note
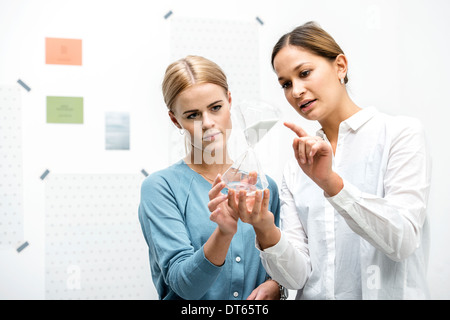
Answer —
(63, 51)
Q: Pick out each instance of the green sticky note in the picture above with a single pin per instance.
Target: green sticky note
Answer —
(64, 110)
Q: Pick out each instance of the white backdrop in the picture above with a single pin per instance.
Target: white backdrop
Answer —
(397, 51)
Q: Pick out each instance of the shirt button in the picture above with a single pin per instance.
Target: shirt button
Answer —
(238, 259)
(235, 294)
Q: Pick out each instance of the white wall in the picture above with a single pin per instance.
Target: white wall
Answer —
(397, 52)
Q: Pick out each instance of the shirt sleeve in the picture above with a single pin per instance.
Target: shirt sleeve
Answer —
(188, 273)
(288, 261)
(392, 223)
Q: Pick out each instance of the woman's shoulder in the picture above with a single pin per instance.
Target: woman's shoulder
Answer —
(167, 176)
(402, 126)
(399, 122)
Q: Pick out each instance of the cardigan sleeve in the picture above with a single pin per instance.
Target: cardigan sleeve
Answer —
(187, 272)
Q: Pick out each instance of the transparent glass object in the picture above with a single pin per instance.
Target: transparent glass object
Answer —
(255, 118)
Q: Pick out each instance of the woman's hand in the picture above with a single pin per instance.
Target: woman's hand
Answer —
(221, 213)
(254, 210)
(315, 158)
(268, 290)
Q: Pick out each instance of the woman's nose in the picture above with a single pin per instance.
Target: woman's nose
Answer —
(207, 121)
(297, 89)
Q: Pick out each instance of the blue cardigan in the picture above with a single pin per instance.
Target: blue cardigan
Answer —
(175, 221)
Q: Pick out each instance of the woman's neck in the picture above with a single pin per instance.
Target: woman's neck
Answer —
(208, 165)
(330, 124)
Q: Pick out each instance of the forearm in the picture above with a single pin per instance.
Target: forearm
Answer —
(216, 247)
(288, 265)
(267, 237)
(391, 224)
(332, 185)
(192, 275)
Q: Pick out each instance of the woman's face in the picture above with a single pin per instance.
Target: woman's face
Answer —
(203, 110)
(311, 83)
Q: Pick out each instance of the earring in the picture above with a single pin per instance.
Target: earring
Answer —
(181, 131)
(342, 80)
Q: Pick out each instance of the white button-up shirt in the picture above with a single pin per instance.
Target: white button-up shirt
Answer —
(370, 241)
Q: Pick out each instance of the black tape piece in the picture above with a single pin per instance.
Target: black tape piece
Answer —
(46, 172)
(259, 20)
(22, 246)
(24, 85)
(168, 14)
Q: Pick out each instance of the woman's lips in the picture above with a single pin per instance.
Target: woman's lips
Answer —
(211, 137)
(308, 105)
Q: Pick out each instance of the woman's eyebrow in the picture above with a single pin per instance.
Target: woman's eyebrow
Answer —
(209, 105)
(295, 69)
(215, 102)
(189, 111)
(300, 65)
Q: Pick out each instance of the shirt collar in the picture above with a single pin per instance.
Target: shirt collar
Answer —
(361, 117)
(355, 121)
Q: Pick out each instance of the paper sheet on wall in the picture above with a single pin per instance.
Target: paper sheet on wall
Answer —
(65, 110)
(11, 172)
(94, 246)
(63, 51)
(117, 131)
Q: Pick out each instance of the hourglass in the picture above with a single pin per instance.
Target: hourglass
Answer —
(256, 118)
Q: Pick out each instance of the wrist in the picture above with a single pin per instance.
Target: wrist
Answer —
(282, 291)
(265, 225)
(226, 234)
(267, 237)
(333, 185)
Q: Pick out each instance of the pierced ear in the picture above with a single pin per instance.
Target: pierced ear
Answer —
(229, 97)
(342, 66)
(174, 120)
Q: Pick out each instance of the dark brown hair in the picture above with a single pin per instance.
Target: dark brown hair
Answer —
(310, 36)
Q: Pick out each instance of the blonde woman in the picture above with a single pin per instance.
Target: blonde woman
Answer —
(354, 219)
(198, 247)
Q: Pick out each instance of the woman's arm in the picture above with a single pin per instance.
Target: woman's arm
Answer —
(285, 258)
(254, 211)
(392, 223)
(189, 273)
(216, 247)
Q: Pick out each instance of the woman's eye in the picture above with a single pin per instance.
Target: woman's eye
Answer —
(286, 85)
(216, 108)
(305, 73)
(193, 115)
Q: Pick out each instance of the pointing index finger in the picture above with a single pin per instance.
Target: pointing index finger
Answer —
(297, 129)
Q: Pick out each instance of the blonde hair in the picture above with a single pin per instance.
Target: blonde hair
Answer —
(188, 71)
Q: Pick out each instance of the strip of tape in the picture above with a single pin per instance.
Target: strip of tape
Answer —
(24, 85)
(168, 14)
(22, 246)
(46, 172)
(259, 20)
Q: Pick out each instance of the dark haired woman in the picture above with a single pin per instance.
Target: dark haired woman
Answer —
(354, 199)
